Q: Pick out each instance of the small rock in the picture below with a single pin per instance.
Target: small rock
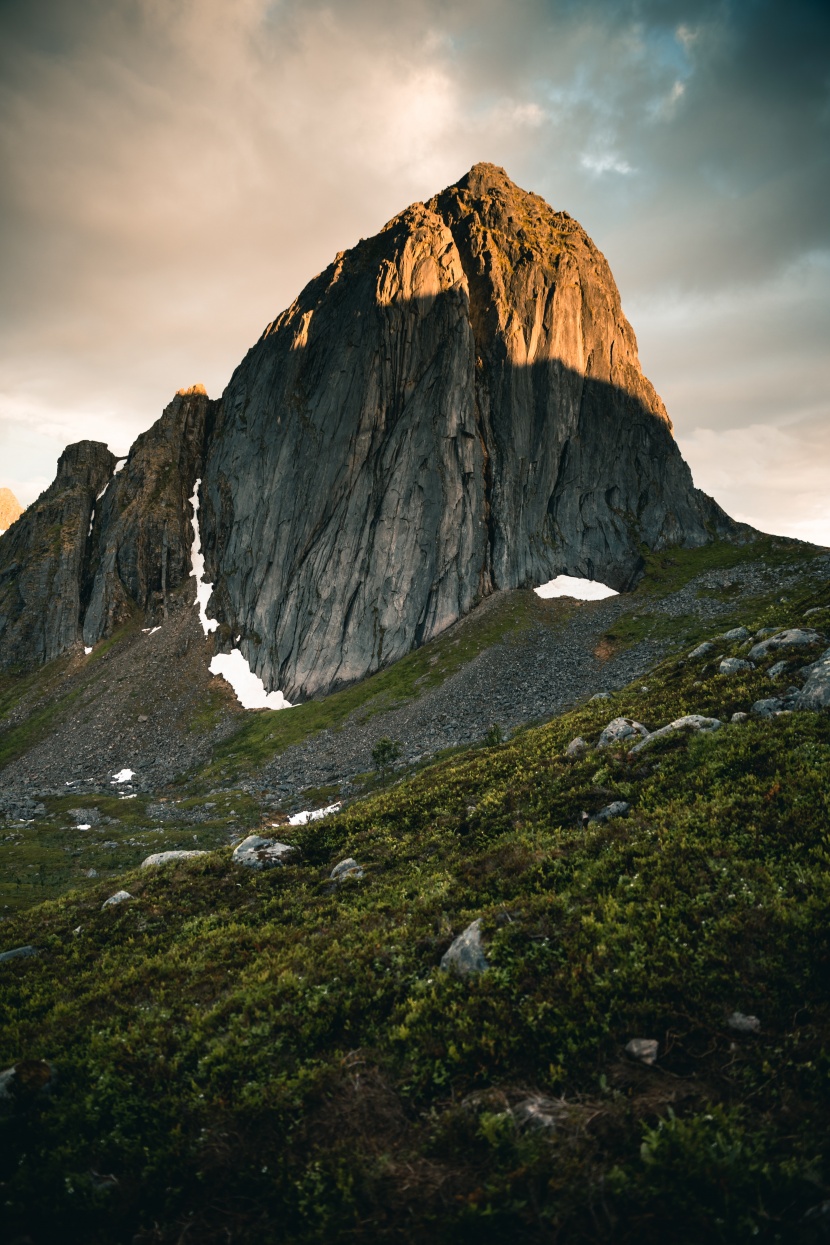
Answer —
(577, 747)
(736, 634)
(466, 954)
(765, 631)
(537, 1113)
(619, 808)
(18, 953)
(734, 665)
(643, 1049)
(163, 858)
(258, 853)
(739, 717)
(600, 696)
(817, 609)
(777, 670)
(766, 708)
(743, 1024)
(118, 897)
(347, 868)
(692, 722)
(792, 639)
(702, 650)
(619, 730)
(142, 717)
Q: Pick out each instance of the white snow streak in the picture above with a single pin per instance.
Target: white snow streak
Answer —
(249, 688)
(571, 586)
(302, 819)
(124, 775)
(87, 650)
(203, 590)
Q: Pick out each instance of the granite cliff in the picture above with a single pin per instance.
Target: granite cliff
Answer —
(452, 408)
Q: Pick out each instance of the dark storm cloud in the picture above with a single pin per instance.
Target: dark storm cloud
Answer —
(173, 174)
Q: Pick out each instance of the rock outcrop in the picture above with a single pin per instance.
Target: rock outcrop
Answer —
(453, 407)
(142, 534)
(104, 540)
(10, 509)
(42, 560)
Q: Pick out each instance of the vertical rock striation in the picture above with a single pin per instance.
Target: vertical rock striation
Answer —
(453, 407)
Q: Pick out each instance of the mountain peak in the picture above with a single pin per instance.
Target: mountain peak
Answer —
(10, 508)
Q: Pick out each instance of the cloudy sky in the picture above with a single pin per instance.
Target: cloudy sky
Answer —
(174, 171)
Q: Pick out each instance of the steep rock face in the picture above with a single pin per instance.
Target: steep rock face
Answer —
(141, 537)
(454, 406)
(343, 512)
(10, 509)
(42, 560)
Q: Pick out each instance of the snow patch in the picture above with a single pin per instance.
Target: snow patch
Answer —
(84, 827)
(572, 586)
(103, 490)
(302, 819)
(91, 521)
(249, 688)
(197, 561)
(119, 465)
(150, 630)
(124, 775)
(87, 650)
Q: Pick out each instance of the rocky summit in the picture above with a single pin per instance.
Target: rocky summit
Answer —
(10, 509)
(452, 408)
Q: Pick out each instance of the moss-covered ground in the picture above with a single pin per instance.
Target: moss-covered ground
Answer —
(245, 1057)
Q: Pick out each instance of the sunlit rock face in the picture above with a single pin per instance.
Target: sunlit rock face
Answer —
(10, 509)
(454, 406)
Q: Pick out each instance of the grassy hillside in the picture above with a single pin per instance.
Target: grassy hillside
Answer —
(232, 1056)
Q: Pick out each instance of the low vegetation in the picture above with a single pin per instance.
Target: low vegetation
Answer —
(278, 1057)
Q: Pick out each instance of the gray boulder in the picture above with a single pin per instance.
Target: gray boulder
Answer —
(734, 665)
(620, 730)
(777, 670)
(735, 635)
(256, 852)
(737, 718)
(766, 708)
(691, 722)
(743, 1024)
(619, 808)
(348, 868)
(599, 696)
(164, 858)
(466, 954)
(815, 694)
(791, 640)
(577, 747)
(18, 953)
(118, 898)
(644, 1050)
(84, 816)
(702, 650)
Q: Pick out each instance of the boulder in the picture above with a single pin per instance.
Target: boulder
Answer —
(739, 717)
(777, 670)
(118, 898)
(743, 1024)
(766, 708)
(691, 722)
(256, 852)
(346, 869)
(619, 730)
(792, 640)
(734, 665)
(18, 953)
(619, 808)
(577, 747)
(644, 1050)
(735, 635)
(815, 694)
(466, 954)
(164, 858)
(702, 650)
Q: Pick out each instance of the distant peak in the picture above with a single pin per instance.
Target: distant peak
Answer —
(10, 508)
(194, 389)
